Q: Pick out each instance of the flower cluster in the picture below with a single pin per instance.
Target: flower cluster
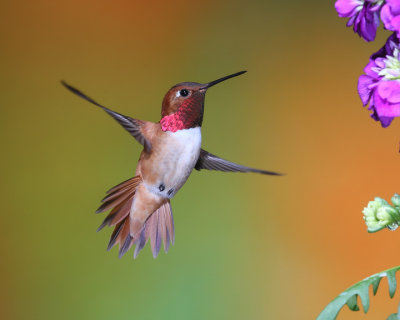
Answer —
(379, 214)
(390, 15)
(363, 16)
(379, 87)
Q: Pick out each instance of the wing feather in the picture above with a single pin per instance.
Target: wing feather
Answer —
(133, 126)
(211, 162)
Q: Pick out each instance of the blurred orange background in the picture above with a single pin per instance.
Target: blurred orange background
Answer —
(247, 246)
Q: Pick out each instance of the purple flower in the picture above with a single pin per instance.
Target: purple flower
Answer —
(380, 86)
(390, 15)
(363, 14)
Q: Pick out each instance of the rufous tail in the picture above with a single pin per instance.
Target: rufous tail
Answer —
(158, 227)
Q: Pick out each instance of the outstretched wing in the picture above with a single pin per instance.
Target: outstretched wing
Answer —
(210, 162)
(133, 126)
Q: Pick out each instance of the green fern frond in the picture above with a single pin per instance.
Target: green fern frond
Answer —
(360, 289)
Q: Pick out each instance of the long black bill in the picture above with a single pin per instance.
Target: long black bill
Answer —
(213, 83)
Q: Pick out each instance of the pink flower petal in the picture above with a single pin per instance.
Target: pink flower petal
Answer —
(385, 121)
(384, 108)
(368, 69)
(386, 16)
(396, 24)
(380, 62)
(394, 6)
(390, 90)
(363, 88)
(345, 8)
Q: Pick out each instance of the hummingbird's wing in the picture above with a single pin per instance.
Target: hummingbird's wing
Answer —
(133, 126)
(210, 162)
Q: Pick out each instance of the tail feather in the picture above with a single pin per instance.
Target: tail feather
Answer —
(152, 233)
(120, 186)
(115, 234)
(170, 226)
(120, 204)
(124, 239)
(117, 214)
(106, 222)
(121, 213)
(157, 244)
(158, 228)
(119, 199)
(163, 228)
(140, 243)
(117, 193)
(113, 202)
(129, 231)
(126, 246)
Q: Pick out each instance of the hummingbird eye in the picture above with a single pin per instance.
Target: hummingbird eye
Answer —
(184, 92)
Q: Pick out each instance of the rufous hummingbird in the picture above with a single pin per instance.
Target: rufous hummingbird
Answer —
(140, 206)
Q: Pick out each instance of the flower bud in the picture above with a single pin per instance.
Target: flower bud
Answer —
(396, 200)
(379, 214)
(386, 215)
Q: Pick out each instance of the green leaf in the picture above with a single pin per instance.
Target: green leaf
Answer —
(352, 303)
(391, 275)
(361, 289)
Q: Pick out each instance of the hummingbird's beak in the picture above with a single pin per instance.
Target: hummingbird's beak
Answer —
(213, 83)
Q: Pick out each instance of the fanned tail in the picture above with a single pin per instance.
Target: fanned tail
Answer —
(119, 199)
(158, 227)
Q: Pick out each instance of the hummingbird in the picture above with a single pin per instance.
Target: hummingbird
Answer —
(140, 206)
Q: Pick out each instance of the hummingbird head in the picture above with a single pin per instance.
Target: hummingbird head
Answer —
(183, 105)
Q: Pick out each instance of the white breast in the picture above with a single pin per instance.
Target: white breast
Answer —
(188, 143)
(177, 161)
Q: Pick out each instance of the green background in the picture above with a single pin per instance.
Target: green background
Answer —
(247, 246)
